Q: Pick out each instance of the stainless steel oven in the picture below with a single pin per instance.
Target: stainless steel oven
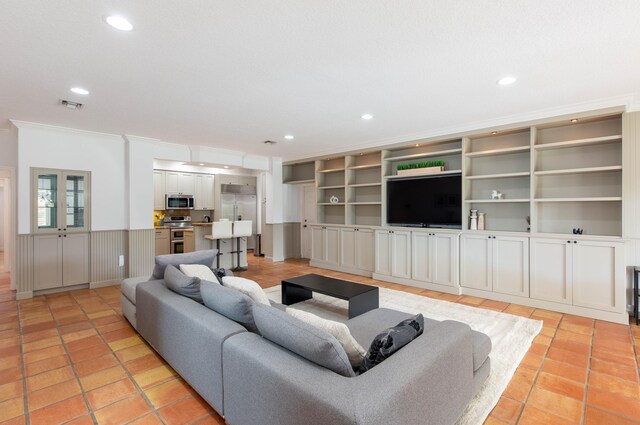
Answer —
(179, 202)
(177, 226)
(177, 241)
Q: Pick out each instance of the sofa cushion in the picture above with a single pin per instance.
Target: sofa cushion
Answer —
(340, 331)
(199, 271)
(481, 348)
(391, 340)
(305, 340)
(231, 304)
(247, 287)
(182, 284)
(205, 257)
(129, 287)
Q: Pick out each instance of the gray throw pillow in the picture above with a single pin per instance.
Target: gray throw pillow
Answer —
(182, 284)
(205, 257)
(305, 340)
(230, 303)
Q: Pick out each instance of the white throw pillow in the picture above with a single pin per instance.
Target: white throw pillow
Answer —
(247, 287)
(198, 270)
(340, 331)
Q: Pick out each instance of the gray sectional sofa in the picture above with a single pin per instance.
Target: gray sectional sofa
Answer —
(249, 379)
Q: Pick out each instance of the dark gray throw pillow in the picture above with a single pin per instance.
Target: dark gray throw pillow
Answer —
(228, 302)
(307, 341)
(205, 257)
(391, 340)
(220, 273)
(182, 284)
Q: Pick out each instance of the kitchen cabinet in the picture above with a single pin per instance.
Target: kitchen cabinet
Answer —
(583, 273)
(159, 190)
(495, 263)
(163, 241)
(60, 260)
(178, 183)
(203, 191)
(357, 248)
(325, 244)
(393, 253)
(434, 257)
(189, 241)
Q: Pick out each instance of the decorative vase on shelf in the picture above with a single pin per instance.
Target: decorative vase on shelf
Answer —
(334, 200)
(473, 220)
(481, 218)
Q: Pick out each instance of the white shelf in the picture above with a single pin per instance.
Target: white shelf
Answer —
(331, 187)
(499, 176)
(365, 185)
(578, 170)
(329, 203)
(503, 151)
(425, 155)
(442, 173)
(579, 142)
(364, 167)
(299, 181)
(592, 199)
(333, 170)
(365, 203)
(495, 201)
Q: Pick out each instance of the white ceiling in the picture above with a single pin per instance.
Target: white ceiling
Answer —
(234, 73)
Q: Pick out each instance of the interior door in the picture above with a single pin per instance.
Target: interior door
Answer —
(309, 216)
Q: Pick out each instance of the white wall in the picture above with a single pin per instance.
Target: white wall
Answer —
(292, 201)
(9, 146)
(61, 148)
(273, 192)
(2, 214)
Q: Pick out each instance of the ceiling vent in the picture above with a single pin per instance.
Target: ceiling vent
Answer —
(269, 142)
(71, 105)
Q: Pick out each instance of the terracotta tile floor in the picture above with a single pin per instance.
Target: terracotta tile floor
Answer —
(72, 358)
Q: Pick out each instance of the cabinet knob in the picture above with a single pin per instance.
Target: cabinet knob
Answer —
(575, 241)
(65, 236)
(59, 236)
(568, 241)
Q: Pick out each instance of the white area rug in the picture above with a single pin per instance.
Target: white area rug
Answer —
(510, 335)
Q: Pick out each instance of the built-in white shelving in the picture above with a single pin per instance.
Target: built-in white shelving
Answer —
(592, 199)
(441, 173)
(499, 176)
(332, 187)
(580, 142)
(332, 170)
(502, 151)
(366, 185)
(495, 201)
(579, 170)
(424, 155)
(364, 167)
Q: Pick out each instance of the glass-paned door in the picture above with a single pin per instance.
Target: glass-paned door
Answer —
(75, 201)
(47, 201)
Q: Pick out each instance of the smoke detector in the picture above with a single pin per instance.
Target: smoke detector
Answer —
(70, 104)
(269, 142)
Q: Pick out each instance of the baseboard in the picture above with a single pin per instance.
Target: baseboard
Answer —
(342, 269)
(104, 283)
(24, 295)
(455, 290)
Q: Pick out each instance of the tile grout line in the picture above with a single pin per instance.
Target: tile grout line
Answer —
(586, 384)
(24, 374)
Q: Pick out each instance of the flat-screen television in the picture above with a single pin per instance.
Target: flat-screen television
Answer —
(433, 201)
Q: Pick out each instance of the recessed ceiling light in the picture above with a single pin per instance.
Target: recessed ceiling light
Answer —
(494, 132)
(119, 23)
(288, 137)
(366, 116)
(226, 166)
(361, 153)
(417, 145)
(575, 120)
(505, 81)
(201, 164)
(79, 90)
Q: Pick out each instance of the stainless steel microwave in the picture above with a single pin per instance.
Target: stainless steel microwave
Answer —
(179, 202)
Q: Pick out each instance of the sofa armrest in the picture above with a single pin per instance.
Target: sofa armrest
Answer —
(430, 380)
(269, 385)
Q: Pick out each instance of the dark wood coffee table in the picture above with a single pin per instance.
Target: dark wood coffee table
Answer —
(362, 298)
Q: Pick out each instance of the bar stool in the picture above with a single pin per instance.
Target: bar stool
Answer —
(220, 230)
(241, 229)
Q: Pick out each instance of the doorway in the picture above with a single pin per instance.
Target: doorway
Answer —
(7, 229)
(309, 216)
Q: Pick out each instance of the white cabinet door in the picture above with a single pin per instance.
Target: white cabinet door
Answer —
(75, 259)
(348, 247)
(208, 188)
(511, 265)
(332, 245)
(198, 193)
(171, 182)
(158, 190)
(475, 262)
(421, 260)
(364, 249)
(597, 271)
(551, 274)
(186, 184)
(383, 252)
(401, 254)
(443, 254)
(317, 243)
(47, 261)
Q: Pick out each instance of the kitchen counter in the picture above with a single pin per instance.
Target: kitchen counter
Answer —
(161, 227)
(203, 224)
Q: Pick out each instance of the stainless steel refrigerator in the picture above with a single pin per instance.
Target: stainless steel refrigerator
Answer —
(239, 202)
